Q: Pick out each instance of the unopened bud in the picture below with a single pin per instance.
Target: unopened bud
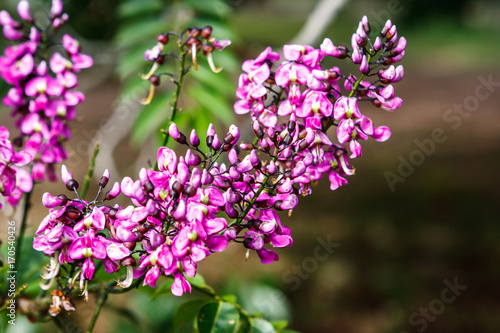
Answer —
(162, 38)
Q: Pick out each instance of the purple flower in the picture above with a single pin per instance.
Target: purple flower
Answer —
(87, 247)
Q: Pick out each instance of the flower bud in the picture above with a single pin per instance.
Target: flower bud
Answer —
(206, 32)
(104, 179)
(385, 29)
(114, 192)
(231, 212)
(195, 179)
(216, 143)
(364, 67)
(51, 201)
(206, 178)
(72, 184)
(194, 139)
(162, 38)
(377, 45)
(65, 174)
(129, 261)
(192, 159)
(235, 131)
(23, 8)
(233, 156)
(365, 24)
(173, 131)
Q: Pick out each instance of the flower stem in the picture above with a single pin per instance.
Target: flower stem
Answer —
(103, 296)
(182, 73)
(259, 191)
(90, 172)
(22, 230)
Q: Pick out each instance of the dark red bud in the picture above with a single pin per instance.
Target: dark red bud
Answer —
(259, 132)
(208, 49)
(129, 245)
(155, 80)
(17, 141)
(206, 32)
(342, 52)
(143, 228)
(190, 191)
(246, 242)
(291, 126)
(229, 138)
(376, 103)
(162, 38)
(72, 184)
(103, 181)
(138, 236)
(64, 199)
(160, 60)
(129, 261)
(177, 187)
(210, 139)
(181, 139)
(193, 32)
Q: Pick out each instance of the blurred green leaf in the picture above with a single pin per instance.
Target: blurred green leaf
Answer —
(164, 288)
(208, 98)
(153, 114)
(217, 317)
(199, 282)
(279, 325)
(188, 311)
(262, 326)
(138, 7)
(229, 298)
(135, 32)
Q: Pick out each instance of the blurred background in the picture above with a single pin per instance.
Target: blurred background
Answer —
(410, 245)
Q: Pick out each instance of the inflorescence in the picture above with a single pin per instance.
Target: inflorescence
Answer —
(193, 205)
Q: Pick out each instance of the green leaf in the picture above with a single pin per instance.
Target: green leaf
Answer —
(262, 326)
(229, 298)
(188, 311)
(244, 325)
(217, 317)
(149, 118)
(199, 282)
(138, 7)
(165, 288)
(135, 32)
(279, 325)
(209, 99)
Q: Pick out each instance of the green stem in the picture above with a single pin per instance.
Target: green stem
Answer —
(182, 73)
(90, 172)
(103, 296)
(22, 230)
(259, 191)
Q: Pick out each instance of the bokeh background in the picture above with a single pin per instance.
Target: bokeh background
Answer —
(398, 242)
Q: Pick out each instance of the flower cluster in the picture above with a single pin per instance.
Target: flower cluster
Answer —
(301, 87)
(190, 206)
(190, 42)
(41, 94)
(13, 180)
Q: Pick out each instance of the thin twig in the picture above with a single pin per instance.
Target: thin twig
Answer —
(103, 296)
(88, 177)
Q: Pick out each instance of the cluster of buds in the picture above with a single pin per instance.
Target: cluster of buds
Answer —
(41, 94)
(191, 206)
(190, 42)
